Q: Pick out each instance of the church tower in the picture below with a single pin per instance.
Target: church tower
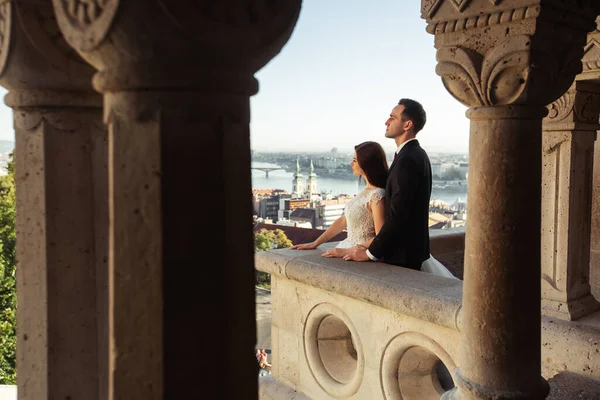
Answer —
(298, 182)
(311, 183)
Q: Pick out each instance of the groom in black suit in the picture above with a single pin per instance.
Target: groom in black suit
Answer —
(404, 237)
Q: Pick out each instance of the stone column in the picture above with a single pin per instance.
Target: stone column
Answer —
(62, 217)
(567, 155)
(591, 72)
(595, 233)
(176, 78)
(506, 61)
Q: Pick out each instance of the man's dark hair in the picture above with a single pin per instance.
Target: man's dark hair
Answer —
(413, 110)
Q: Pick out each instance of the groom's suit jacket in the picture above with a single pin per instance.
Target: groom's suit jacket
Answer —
(404, 237)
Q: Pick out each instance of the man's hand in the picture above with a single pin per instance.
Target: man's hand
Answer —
(357, 253)
(335, 253)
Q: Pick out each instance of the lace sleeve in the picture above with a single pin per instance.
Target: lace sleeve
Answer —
(377, 195)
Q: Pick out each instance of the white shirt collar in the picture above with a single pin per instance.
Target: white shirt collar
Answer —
(402, 145)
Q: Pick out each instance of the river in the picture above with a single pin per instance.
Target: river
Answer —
(283, 180)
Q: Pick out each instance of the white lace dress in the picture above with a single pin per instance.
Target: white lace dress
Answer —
(359, 218)
(361, 228)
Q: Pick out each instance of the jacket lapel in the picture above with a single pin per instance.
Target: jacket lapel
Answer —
(403, 150)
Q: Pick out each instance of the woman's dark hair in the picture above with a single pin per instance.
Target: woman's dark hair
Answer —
(371, 159)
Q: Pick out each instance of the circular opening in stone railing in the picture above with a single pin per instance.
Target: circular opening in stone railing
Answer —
(419, 375)
(414, 367)
(336, 349)
(333, 351)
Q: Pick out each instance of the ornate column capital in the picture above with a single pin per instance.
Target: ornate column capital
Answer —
(591, 56)
(501, 52)
(145, 44)
(576, 110)
(36, 64)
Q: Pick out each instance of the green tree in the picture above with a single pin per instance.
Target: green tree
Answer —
(8, 295)
(266, 239)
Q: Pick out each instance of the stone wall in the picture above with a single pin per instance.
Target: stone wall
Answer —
(346, 330)
(375, 331)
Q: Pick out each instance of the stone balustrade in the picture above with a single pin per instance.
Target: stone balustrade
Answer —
(375, 331)
(360, 330)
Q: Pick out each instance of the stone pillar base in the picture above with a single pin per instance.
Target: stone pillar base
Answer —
(471, 391)
(570, 310)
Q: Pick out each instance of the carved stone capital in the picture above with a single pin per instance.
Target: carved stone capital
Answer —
(204, 45)
(35, 60)
(501, 52)
(577, 109)
(591, 56)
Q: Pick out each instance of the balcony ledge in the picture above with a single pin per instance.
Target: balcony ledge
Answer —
(417, 294)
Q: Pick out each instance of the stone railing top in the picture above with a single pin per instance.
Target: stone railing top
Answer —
(417, 294)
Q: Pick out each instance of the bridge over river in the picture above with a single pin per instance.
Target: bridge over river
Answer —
(267, 170)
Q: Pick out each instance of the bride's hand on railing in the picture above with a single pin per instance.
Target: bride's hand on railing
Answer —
(305, 246)
(335, 253)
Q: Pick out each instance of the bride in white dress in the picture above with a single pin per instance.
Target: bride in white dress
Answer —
(364, 214)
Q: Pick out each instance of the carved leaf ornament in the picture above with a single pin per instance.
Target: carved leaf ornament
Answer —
(500, 77)
(84, 11)
(85, 23)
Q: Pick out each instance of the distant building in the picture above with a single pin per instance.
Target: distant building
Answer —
(297, 224)
(298, 182)
(261, 194)
(331, 209)
(329, 163)
(328, 213)
(446, 168)
(305, 215)
(464, 169)
(269, 207)
(438, 220)
(436, 169)
(287, 206)
(460, 206)
(311, 183)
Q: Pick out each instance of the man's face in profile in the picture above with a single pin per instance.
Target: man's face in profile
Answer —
(395, 124)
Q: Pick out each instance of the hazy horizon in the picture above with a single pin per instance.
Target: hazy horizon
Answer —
(335, 82)
(345, 67)
(8, 144)
(349, 151)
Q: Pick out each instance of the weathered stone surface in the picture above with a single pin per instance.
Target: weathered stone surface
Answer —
(568, 156)
(62, 210)
(373, 328)
(568, 385)
(571, 346)
(506, 60)
(176, 78)
(595, 228)
(417, 294)
(270, 389)
(381, 333)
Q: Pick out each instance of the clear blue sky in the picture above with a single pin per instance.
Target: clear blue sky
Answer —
(346, 65)
(334, 83)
